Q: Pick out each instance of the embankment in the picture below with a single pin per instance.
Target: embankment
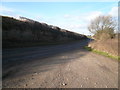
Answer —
(27, 32)
(109, 46)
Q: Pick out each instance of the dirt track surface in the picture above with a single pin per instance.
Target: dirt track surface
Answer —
(60, 66)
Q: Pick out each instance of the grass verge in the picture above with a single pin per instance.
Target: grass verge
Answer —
(103, 53)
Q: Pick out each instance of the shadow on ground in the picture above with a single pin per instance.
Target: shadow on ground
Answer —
(24, 61)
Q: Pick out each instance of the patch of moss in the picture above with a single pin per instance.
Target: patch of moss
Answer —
(88, 48)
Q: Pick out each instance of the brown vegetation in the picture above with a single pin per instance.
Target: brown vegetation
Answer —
(109, 46)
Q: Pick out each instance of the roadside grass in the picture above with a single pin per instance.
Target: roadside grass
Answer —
(103, 53)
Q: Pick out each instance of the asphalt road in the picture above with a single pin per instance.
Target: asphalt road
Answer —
(58, 66)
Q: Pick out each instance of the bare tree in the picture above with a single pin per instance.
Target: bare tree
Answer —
(102, 24)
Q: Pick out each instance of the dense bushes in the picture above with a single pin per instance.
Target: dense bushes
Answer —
(23, 31)
(107, 33)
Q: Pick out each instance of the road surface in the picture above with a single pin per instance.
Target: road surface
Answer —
(58, 66)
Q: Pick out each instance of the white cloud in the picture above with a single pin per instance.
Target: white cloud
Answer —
(67, 16)
(92, 15)
(6, 9)
(86, 16)
(114, 12)
(38, 18)
(79, 22)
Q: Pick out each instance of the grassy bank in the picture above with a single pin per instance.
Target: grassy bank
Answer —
(102, 53)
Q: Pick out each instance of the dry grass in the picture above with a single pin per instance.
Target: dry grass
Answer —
(108, 46)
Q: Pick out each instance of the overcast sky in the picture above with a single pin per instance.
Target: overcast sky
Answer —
(73, 16)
